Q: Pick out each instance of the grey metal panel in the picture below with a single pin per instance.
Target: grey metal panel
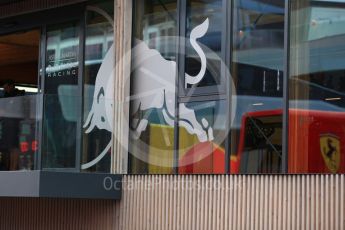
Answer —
(80, 185)
(60, 185)
(19, 184)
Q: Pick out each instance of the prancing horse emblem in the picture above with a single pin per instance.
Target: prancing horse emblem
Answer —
(330, 151)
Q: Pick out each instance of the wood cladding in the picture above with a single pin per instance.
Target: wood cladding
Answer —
(199, 202)
(16, 54)
(19, 55)
(122, 41)
(25, 6)
(50, 214)
(26, 73)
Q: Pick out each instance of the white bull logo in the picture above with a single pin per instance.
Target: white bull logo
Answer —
(101, 113)
(154, 88)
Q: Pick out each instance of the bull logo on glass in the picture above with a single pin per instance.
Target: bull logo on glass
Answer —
(154, 89)
(101, 113)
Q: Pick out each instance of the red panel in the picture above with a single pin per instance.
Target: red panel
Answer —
(203, 158)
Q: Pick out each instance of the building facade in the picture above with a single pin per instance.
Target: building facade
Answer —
(172, 114)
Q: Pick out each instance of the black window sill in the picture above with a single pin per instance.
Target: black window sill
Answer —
(51, 184)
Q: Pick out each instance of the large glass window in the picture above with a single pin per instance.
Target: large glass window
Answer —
(203, 49)
(202, 121)
(202, 137)
(317, 86)
(99, 59)
(154, 122)
(19, 53)
(59, 114)
(184, 127)
(79, 91)
(152, 111)
(61, 107)
(257, 74)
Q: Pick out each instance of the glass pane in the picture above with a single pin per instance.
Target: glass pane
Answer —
(205, 16)
(18, 140)
(99, 54)
(317, 86)
(19, 55)
(257, 71)
(61, 105)
(201, 137)
(153, 87)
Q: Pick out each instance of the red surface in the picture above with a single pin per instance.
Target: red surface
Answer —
(203, 158)
(24, 147)
(305, 156)
(306, 128)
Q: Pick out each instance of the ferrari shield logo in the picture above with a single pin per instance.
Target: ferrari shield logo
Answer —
(330, 150)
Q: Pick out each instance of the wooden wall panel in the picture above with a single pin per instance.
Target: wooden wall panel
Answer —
(122, 41)
(27, 73)
(193, 202)
(52, 214)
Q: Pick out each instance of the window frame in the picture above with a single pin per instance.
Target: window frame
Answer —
(79, 19)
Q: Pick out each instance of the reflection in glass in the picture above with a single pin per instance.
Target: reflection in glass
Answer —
(197, 12)
(201, 137)
(18, 141)
(257, 71)
(19, 100)
(99, 37)
(153, 87)
(61, 97)
(317, 86)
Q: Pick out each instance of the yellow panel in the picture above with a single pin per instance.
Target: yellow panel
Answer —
(162, 146)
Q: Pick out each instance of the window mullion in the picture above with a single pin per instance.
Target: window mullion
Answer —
(80, 90)
(181, 9)
(285, 143)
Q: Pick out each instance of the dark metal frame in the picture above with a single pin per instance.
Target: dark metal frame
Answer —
(228, 46)
(79, 140)
(285, 144)
(39, 105)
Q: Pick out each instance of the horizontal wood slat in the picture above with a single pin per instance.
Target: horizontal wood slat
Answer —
(192, 202)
